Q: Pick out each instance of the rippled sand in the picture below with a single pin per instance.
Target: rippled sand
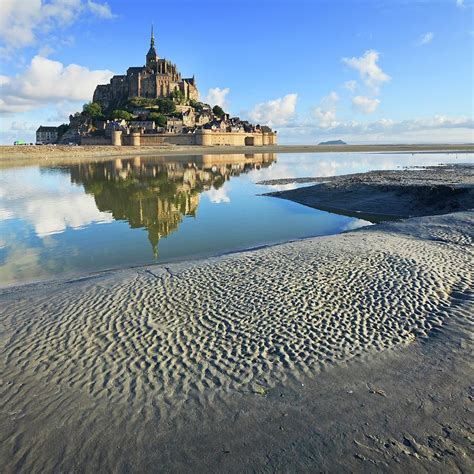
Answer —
(89, 365)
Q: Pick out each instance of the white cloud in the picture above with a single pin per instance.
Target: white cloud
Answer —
(460, 3)
(436, 129)
(350, 85)
(365, 105)
(21, 21)
(63, 110)
(370, 72)
(47, 81)
(275, 112)
(217, 96)
(17, 130)
(427, 38)
(102, 10)
(20, 126)
(325, 114)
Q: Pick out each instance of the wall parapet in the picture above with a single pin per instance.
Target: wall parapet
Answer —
(200, 137)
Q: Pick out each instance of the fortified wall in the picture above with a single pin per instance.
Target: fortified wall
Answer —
(200, 137)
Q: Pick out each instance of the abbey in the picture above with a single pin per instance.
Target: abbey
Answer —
(153, 105)
(158, 78)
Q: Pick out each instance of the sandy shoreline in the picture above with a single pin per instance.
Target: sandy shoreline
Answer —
(14, 156)
(162, 351)
(344, 353)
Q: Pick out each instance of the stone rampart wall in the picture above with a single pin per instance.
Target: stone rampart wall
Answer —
(202, 137)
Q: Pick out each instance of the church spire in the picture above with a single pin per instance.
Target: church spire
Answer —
(152, 57)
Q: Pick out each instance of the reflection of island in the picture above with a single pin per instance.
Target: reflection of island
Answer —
(155, 193)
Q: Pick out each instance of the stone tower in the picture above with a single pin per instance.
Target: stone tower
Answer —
(151, 56)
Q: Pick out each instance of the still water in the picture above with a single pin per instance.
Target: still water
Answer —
(68, 220)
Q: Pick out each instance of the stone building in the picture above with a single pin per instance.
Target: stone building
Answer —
(158, 78)
(144, 124)
(174, 125)
(46, 134)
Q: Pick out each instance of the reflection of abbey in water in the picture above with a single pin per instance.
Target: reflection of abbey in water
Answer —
(155, 193)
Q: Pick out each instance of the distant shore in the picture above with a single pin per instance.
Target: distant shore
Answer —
(24, 155)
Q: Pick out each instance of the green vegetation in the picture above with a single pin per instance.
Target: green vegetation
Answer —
(178, 96)
(159, 119)
(119, 114)
(198, 106)
(158, 109)
(62, 129)
(141, 102)
(218, 111)
(166, 106)
(93, 110)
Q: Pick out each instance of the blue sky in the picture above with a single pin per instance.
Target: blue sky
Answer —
(364, 71)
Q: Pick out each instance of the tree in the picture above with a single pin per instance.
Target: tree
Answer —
(62, 129)
(159, 119)
(166, 106)
(218, 111)
(178, 96)
(93, 110)
(121, 115)
(141, 102)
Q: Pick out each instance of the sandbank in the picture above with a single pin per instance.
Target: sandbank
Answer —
(378, 195)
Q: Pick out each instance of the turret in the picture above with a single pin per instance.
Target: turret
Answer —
(151, 56)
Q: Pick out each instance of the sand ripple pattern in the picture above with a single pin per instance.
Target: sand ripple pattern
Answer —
(239, 322)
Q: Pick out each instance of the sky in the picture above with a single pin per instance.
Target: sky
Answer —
(365, 71)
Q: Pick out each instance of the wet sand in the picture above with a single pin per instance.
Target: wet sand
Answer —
(377, 195)
(344, 353)
(26, 155)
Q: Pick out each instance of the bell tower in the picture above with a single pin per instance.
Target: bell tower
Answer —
(151, 56)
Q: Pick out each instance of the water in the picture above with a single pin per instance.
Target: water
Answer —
(68, 220)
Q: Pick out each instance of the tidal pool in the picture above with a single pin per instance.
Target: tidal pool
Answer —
(57, 222)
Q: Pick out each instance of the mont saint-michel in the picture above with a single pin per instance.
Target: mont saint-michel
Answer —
(181, 294)
(154, 105)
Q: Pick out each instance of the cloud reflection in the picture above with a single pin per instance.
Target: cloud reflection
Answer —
(218, 196)
(50, 206)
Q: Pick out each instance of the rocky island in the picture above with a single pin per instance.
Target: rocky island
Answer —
(152, 105)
